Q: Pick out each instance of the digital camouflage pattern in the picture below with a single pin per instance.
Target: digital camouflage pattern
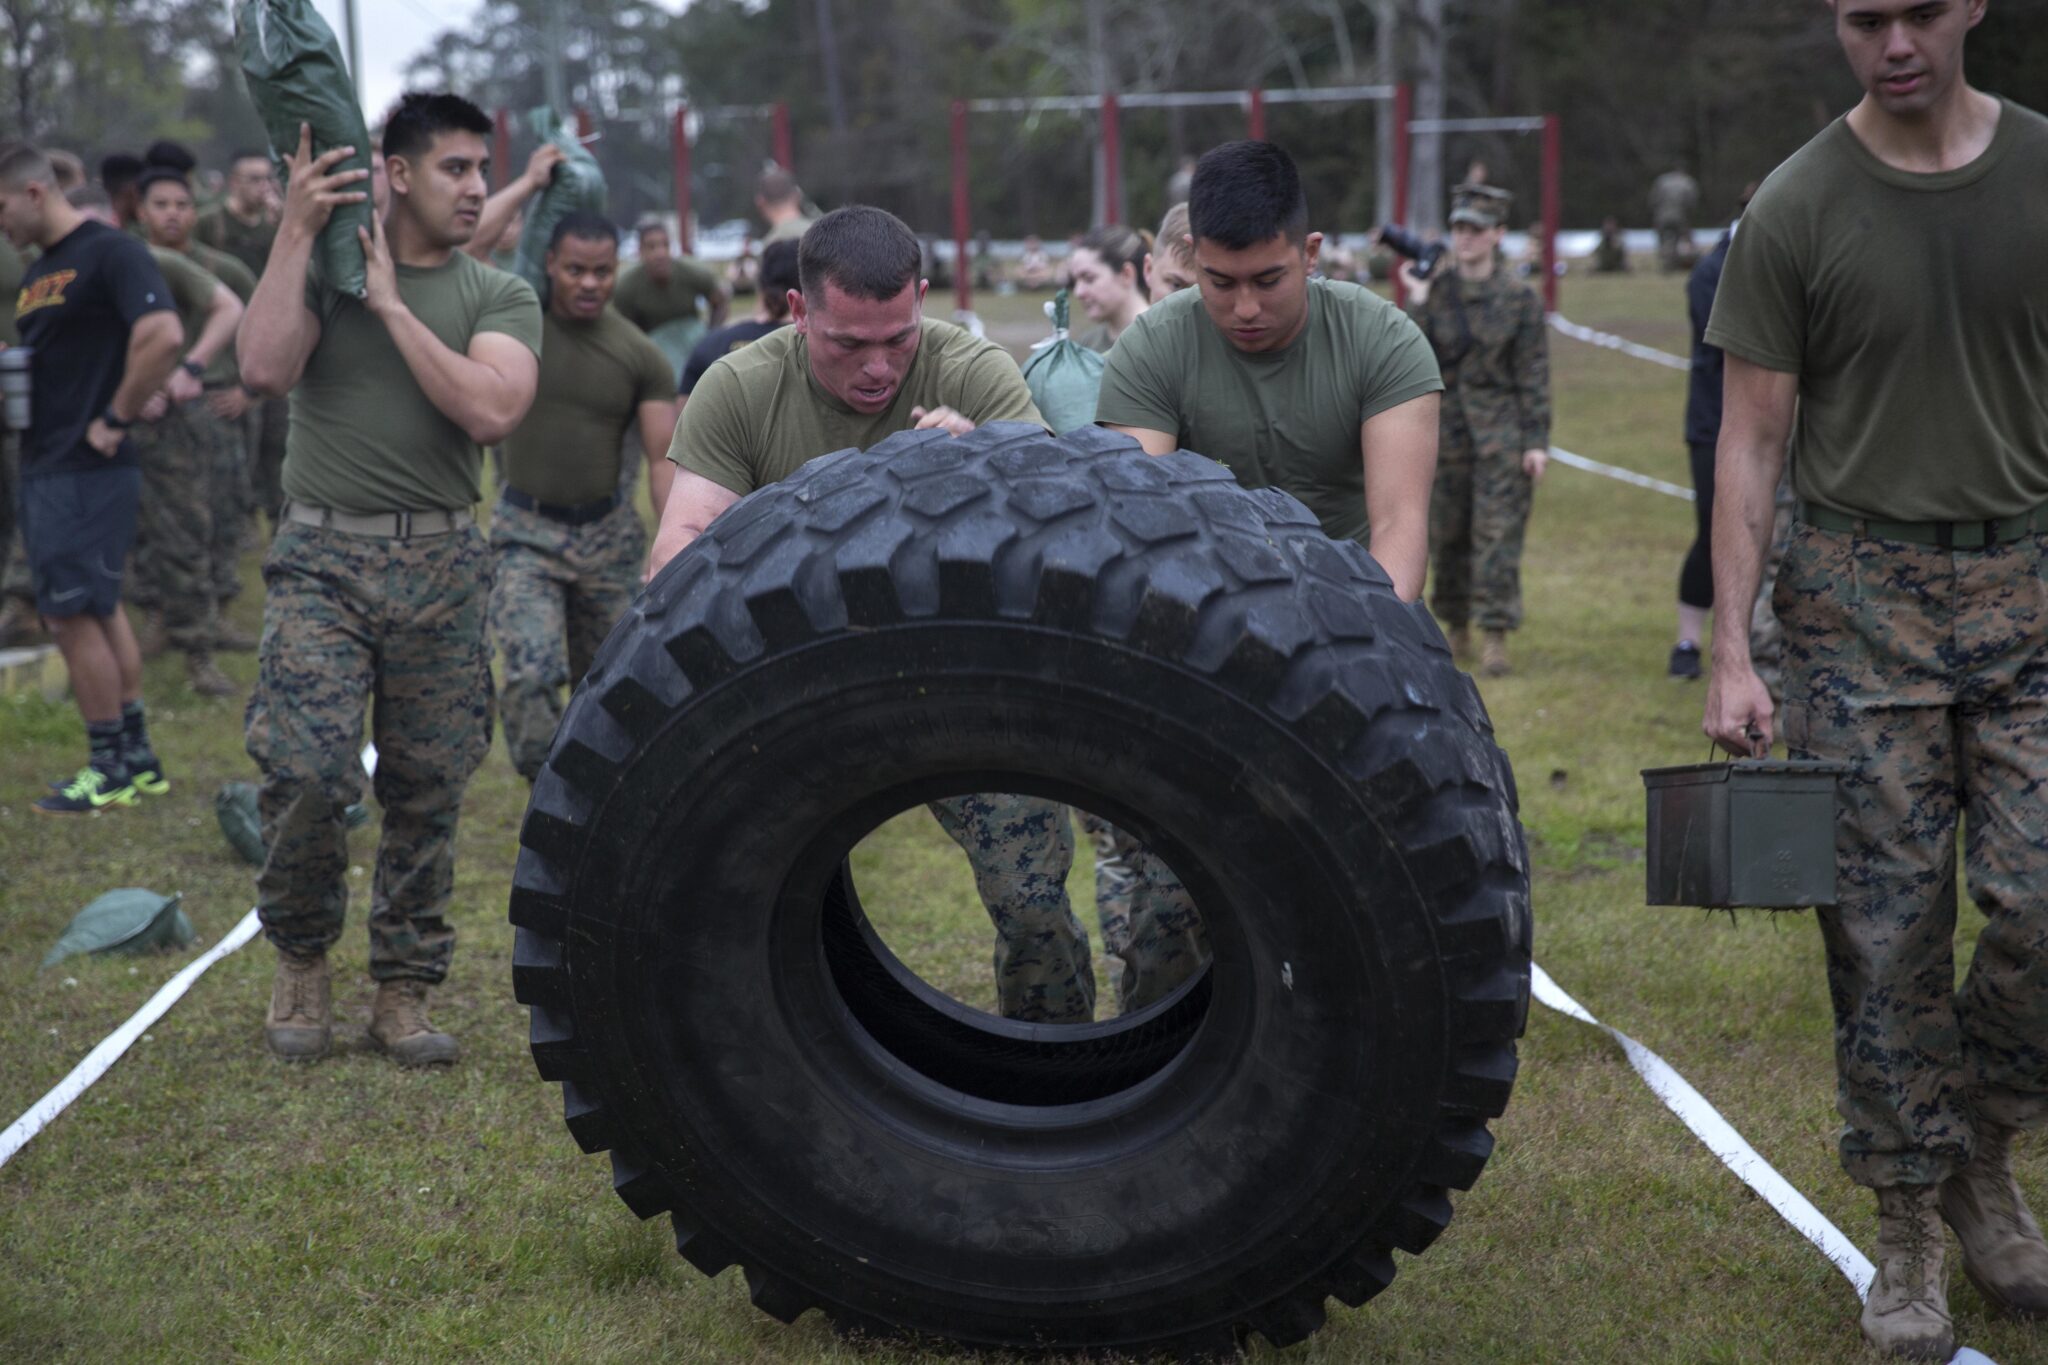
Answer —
(1148, 920)
(1927, 671)
(188, 534)
(1491, 342)
(401, 624)
(1766, 638)
(556, 593)
(1021, 849)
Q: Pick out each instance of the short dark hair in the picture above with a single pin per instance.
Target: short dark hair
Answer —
(21, 162)
(120, 171)
(650, 223)
(421, 117)
(176, 155)
(868, 252)
(88, 197)
(585, 226)
(778, 275)
(157, 175)
(1245, 193)
(776, 186)
(248, 154)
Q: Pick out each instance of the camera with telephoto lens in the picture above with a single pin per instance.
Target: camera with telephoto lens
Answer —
(1404, 243)
(14, 386)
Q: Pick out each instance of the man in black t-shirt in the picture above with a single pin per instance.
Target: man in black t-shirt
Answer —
(97, 315)
(778, 276)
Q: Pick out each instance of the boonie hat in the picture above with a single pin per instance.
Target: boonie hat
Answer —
(1482, 206)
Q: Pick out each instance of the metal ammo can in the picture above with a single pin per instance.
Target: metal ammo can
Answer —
(1752, 834)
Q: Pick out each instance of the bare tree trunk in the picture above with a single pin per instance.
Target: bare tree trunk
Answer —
(1388, 69)
(1426, 190)
(828, 54)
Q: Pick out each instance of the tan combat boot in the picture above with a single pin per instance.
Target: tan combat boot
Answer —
(300, 1026)
(206, 678)
(2003, 1253)
(1906, 1315)
(398, 1025)
(1493, 654)
(1460, 638)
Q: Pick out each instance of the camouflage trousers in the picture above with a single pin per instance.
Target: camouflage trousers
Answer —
(1148, 920)
(189, 535)
(1478, 511)
(1021, 849)
(557, 590)
(1926, 670)
(400, 625)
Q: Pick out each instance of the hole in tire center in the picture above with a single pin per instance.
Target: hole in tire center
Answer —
(909, 941)
(967, 892)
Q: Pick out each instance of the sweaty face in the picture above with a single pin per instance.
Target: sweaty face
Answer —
(1257, 297)
(442, 187)
(1101, 292)
(167, 214)
(581, 273)
(861, 349)
(1907, 53)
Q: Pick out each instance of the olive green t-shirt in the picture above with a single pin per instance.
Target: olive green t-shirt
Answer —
(647, 303)
(593, 378)
(1914, 309)
(364, 435)
(247, 243)
(1286, 419)
(192, 287)
(789, 230)
(757, 415)
(223, 370)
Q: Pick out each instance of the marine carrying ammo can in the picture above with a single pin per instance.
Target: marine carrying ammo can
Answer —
(1752, 834)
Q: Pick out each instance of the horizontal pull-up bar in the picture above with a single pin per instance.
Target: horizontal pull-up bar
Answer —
(1182, 99)
(1474, 125)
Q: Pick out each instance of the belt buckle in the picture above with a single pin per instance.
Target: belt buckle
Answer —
(402, 525)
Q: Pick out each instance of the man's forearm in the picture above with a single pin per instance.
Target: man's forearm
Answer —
(1401, 545)
(1746, 474)
(497, 215)
(218, 331)
(152, 354)
(661, 477)
(469, 393)
(277, 332)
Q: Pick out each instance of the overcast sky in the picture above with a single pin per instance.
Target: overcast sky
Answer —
(393, 32)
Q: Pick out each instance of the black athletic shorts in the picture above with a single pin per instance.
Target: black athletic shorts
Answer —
(77, 528)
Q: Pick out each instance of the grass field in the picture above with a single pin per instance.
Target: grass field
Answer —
(203, 1202)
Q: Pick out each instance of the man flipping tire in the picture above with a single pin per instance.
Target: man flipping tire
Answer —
(860, 363)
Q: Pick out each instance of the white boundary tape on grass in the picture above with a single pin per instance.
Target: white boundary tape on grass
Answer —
(1608, 341)
(1722, 1140)
(1629, 476)
(100, 1059)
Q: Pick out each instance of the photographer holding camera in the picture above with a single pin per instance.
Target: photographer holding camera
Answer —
(1494, 441)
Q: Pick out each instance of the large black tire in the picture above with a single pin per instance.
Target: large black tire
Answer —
(1065, 617)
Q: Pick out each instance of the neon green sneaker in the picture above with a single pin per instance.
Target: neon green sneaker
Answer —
(147, 776)
(89, 792)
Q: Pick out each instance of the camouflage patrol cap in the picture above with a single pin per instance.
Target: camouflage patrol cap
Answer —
(1482, 206)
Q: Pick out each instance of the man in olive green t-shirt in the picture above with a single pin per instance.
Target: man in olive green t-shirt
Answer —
(376, 585)
(1883, 305)
(566, 546)
(203, 497)
(244, 222)
(861, 362)
(660, 290)
(1322, 390)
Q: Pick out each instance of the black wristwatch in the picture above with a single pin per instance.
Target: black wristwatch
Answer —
(193, 368)
(113, 421)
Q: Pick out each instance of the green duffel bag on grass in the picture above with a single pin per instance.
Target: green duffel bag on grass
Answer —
(131, 920)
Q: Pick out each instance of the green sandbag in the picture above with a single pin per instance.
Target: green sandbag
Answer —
(234, 805)
(577, 184)
(131, 920)
(295, 75)
(1065, 377)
